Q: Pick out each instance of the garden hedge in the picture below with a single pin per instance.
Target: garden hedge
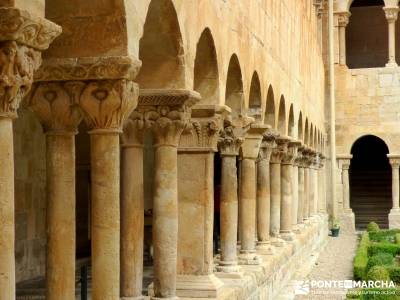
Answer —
(361, 258)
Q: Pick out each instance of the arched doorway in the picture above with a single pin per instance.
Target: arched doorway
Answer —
(370, 182)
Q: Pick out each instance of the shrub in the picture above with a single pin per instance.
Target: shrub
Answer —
(397, 238)
(380, 259)
(372, 226)
(384, 247)
(361, 257)
(378, 273)
(384, 235)
(394, 272)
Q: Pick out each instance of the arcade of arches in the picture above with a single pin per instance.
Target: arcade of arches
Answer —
(174, 148)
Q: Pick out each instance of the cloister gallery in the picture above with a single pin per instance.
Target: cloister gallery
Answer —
(191, 149)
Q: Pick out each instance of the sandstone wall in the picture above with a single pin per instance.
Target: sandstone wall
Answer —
(277, 39)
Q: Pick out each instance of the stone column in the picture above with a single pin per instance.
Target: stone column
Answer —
(20, 57)
(132, 208)
(286, 190)
(167, 114)
(394, 215)
(229, 144)
(264, 194)
(313, 183)
(248, 194)
(54, 104)
(300, 162)
(306, 194)
(196, 151)
(343, 21)
(275, 175)
(391, 13)
(347, 218)
(321, 185)
(106, 104)
(295, 185)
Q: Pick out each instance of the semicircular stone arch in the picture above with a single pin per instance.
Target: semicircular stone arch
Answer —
(234, 97)
(281, 124)
(161, 48)
(269, 114)
(206, 75)
(255, 109)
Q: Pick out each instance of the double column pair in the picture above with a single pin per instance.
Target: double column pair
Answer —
(22, 38)
(281, 174)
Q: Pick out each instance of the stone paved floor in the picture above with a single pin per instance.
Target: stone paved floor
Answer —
(334, 263)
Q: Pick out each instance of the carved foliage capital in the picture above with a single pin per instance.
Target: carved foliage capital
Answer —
(107, 103)
(267, 146)
(391, 13)
(202, 133)
(20, 26)
(343, 18)
(17, 65)
(56, 105)
(229, 142)
(279, 153)
(133, 132)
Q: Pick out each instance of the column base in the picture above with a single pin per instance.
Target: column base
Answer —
(347, 222)
(231, 271)
(394, 218)
(265, 247)
(198, 286)
(298, 228)
(168, 298)
(277, 241)
(287, 235)
(391, 65)
(133, 298)
(249, 258)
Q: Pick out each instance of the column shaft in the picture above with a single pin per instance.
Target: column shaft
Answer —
(7, 234)
(132, 221)
(346, 189)
(105, 172)
(263, 200)
(165, 220)
(300, 214)
(60, 256)
(395, 186)
(286, 198)
(311, 191)
(248, 200)
(275, 214)
(228, 213)
(306, 195)
(392, 42)
(342, 45)
(295, 194)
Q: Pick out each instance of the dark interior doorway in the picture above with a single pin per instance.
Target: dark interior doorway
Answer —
(370, 182)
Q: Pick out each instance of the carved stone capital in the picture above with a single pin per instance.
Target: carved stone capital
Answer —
(17, 65)
(322, 160)
(281, 149)
(253, 139)
(88, 68)
(343, 18)
(344, 161)
(133, 130)
(20, 26)
(291, 154)
(167, 113)
(391, 13)
(394, 160)
(56, 105)
(232, 136)
(268, 144)
(106, 104)
(204, 130)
